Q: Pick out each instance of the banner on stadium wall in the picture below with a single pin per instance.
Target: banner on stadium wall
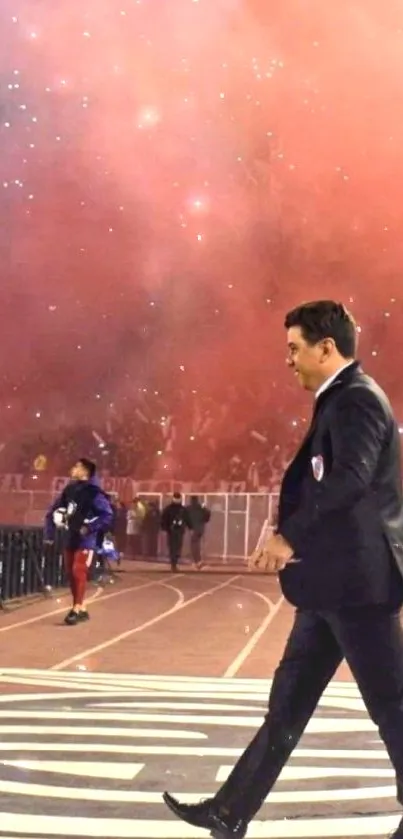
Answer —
(126, 488)
(13, 483)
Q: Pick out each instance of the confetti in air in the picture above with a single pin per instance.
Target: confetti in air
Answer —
(173, 177)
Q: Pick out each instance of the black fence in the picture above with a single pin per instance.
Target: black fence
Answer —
(27, 566)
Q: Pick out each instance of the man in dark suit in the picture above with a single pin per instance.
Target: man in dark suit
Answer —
(338, 550)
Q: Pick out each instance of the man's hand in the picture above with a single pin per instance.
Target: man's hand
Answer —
(273, 556)
(84, 531)
(48, 542)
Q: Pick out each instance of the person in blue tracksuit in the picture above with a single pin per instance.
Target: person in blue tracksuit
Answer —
(81, 511)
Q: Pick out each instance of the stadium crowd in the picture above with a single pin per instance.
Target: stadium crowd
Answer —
(198, 439)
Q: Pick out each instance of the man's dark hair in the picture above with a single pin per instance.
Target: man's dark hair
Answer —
(325, 319)
(177, 496)
(89, 466)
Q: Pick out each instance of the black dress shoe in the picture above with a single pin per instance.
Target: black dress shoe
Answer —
(208, 816)
(223, 829)
(196, 814)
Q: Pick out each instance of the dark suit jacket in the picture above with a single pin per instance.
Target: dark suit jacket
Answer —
(341, 505)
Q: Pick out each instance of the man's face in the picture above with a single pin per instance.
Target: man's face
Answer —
(78, 472)
(308, 362)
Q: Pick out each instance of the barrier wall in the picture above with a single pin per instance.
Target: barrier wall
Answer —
(232, 533)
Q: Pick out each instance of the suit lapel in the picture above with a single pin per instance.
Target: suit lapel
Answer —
(321, 401)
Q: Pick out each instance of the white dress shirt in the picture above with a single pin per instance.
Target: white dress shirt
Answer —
(331, 379)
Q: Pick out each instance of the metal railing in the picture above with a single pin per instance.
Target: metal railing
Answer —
(27, 566)
(232, 533)
(236, 521)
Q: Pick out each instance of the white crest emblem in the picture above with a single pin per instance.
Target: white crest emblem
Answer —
(59, 517)
(318, 467)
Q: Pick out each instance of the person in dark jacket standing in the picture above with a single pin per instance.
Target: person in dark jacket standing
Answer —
(198, 516)
(82, 511)
(120, 526)
(338, 551)
(175, 521)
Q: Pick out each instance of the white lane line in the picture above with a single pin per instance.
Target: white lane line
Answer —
(196, 750)
(63, 596)
(143, 797)
(310, 773)
(109, 716)
(124, 828)
(105, 684)
(112, 710)
(166, 706)
(95, 731)
(180, 598)
(180, 594)
(240, 659)
(97, 595)
(80, 768)
(317, 725)
(123, 635)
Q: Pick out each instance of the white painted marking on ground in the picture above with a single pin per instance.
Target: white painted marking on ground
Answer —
(154, 682)
(242, 656)
(97, 596)
(174, 829)
(115, 716)
(86, 769)
(88, 691)
(89, 731)
(315, 725)
(152, 622)
(101, 686)
(176, 706)
(119, 748)
(185, 751)
(342, 754)
(254, 701)
(344, 703)
(135, 797)
(300, 773)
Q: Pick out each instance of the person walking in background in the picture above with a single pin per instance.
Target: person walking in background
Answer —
(338, 549)
(135, 521)
(198, 516)
(175, 521)
(120, 527)
(82, 511)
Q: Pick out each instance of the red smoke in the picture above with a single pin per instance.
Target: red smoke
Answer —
(283, 120)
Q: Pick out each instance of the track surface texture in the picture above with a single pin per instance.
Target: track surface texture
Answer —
(162, 689)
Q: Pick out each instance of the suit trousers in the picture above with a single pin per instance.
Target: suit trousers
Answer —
(370, 638)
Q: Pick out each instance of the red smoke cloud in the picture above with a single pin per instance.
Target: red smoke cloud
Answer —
(282, 121)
